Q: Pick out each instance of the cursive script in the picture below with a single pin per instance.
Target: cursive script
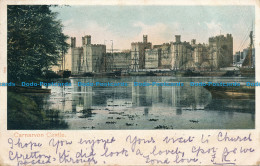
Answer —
(167, 150)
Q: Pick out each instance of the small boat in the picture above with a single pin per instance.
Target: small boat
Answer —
(232, 92)
(25, 89)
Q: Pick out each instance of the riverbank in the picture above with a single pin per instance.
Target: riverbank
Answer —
(23, 112)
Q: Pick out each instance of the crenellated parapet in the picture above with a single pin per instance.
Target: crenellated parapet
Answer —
(135, 43)
(221, 37)
(98, 45)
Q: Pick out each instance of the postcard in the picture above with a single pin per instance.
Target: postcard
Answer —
(129, 82)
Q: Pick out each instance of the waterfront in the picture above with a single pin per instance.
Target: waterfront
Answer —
(151, 107)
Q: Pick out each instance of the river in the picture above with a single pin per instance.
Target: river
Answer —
(150, 107)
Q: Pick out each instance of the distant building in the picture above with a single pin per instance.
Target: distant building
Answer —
(239, 57)
(88, 58)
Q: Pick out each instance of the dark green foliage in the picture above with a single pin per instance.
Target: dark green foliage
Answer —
(24, 113)
(35, 41)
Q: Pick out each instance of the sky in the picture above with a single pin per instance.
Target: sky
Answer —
(126, 24)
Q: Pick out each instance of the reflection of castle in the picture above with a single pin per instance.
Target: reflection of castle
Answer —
(136, 96)
(83, 100)
(159, 96)
(176, 55)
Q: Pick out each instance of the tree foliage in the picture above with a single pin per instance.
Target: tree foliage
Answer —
(35, 41)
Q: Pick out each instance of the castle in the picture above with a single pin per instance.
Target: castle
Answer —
(175, 55)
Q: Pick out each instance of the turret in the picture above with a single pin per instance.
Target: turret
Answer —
(193, 41)
(73, 42)
(145, 38)
(177, 38)
(88, 39)
(83, 41)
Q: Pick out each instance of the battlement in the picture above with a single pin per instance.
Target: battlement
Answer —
(181, 43)
(167, 44)
(220, 37)
(95, 45)
(86, 39)
(134, 43)
(145, 41)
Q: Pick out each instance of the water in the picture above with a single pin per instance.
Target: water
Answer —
(152, 107)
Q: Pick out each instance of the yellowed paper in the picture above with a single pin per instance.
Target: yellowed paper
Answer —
(157, 110)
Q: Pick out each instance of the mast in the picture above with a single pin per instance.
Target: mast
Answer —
(112, 65)
(248, 62)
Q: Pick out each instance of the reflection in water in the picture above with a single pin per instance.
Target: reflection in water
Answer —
(149, 107)
(178, 111)
(146, 111)
(54, 120)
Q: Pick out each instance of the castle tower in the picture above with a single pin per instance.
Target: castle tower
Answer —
(145, 38)
(193, 42)
(88, 39)
(177, 38)
(83, 41)
(73, 42)
(221, 51)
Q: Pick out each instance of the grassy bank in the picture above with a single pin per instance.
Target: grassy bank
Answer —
(23, 113)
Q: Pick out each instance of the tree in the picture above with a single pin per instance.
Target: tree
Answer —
(35, 41)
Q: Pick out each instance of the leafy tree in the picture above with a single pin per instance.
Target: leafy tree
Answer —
(35, 41)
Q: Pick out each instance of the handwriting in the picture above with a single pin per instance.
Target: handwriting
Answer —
(233, 139)
(92, 142)
(29, 158)
(58, 143)
(137, 140)
(122, 152)
(176, 151)
(178, 139)
(65, 157)
(19, 144)
(167, 150)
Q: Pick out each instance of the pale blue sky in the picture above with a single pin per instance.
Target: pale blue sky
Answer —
(125, 24)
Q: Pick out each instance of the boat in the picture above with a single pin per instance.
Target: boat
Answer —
(25, 89)
(232, 92)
